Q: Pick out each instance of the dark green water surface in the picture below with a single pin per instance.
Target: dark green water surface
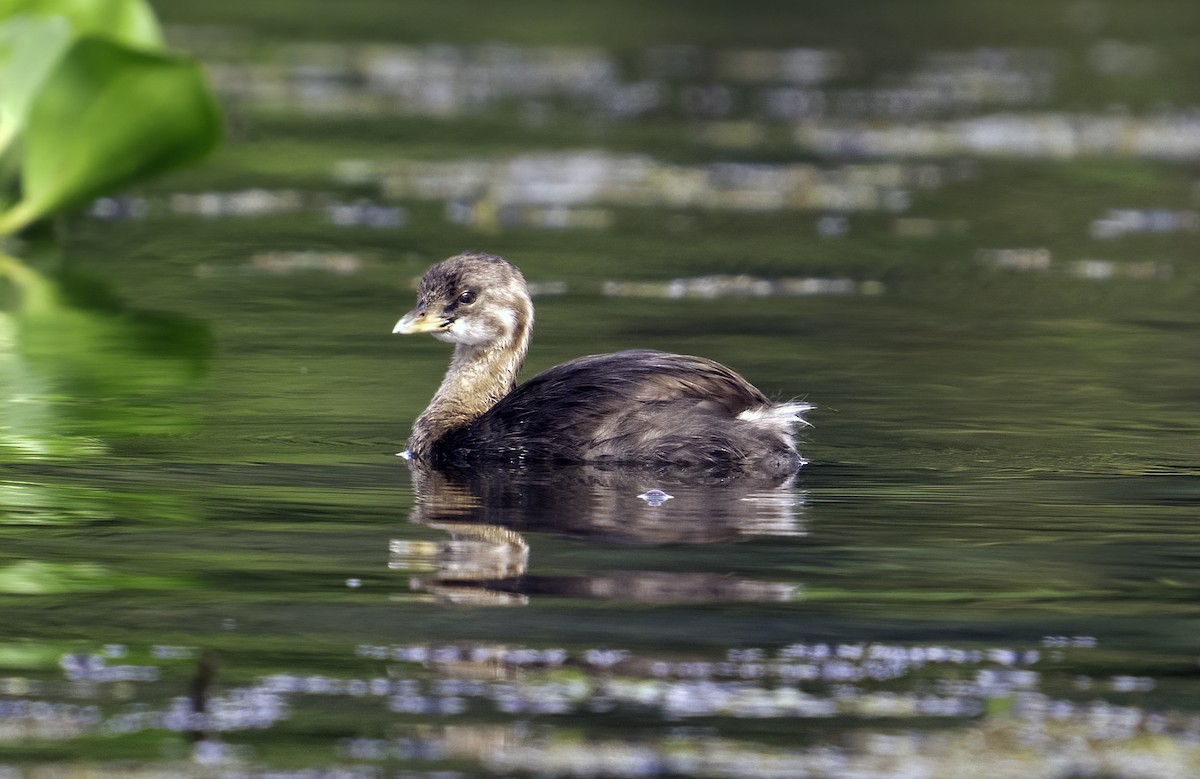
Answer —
(213, 562)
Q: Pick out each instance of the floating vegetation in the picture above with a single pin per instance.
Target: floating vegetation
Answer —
(252, 203)
(925, 710)
(1033, 259)
(947, 103)
(447, 80)
(552, 191)
(1042, 135)
(792, 84)
(1104, 270)
(281, 263)
(487, 216)
(923, 227)
(1118, 222)
(721, 286)
(364, 213)
(1041, 260)
(571, 179)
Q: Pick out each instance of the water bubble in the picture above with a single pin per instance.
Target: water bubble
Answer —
(655, 497)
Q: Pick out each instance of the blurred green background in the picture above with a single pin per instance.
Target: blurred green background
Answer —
(967, 232)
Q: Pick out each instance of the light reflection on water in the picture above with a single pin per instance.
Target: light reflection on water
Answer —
(484, 511)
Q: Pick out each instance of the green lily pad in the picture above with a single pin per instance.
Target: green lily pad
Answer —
(29, 48)
(108, 115)
(130, 22)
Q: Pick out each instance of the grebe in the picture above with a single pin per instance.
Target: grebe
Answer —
(637, 407)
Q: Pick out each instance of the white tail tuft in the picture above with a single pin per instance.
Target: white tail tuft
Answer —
(781, 415)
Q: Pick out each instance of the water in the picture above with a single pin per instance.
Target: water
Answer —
(214, 562)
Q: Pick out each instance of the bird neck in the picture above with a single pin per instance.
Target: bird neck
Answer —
(478, 378)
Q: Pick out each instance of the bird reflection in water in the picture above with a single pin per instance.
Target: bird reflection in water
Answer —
(486, 511)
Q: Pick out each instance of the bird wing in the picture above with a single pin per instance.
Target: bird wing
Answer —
(638, 395)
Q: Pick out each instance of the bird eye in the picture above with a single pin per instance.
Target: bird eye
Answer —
(466, 298)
